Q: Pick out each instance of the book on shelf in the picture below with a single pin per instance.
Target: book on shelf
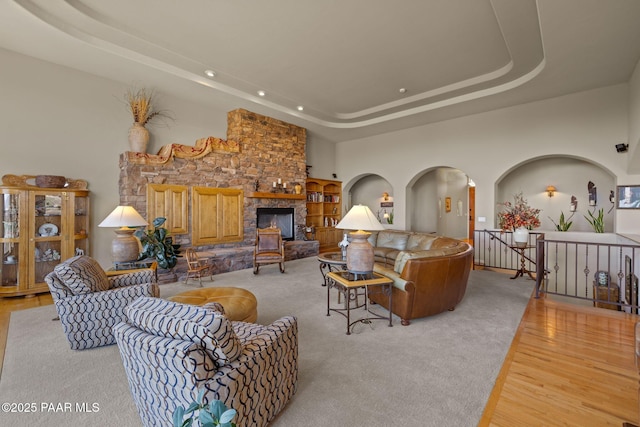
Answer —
(314, 197)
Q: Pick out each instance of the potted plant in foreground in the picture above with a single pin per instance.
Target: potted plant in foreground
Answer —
(518, 217)
(213, 414)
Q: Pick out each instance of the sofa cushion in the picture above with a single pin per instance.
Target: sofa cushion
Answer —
(203, 326)
(385, 253)
(373, 239)
(392, 239)
(398, 282)
(404, 256)
(446, 242)
(82, 275)
(420, 241)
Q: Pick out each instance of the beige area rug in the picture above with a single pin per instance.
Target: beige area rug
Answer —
(438, 371)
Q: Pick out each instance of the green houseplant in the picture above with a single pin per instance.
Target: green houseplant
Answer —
(156, 243)
(209, 415)
(562, 224)
(596, 222)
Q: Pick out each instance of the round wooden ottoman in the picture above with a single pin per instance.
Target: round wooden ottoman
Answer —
(239, 304)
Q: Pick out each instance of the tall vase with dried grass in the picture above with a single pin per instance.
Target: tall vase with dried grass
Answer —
(140, 103)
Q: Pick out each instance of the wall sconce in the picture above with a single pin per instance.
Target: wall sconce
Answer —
(385, 196)
(551, 190)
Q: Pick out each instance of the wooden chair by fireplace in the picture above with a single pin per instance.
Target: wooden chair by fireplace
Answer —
(269, 248)
(196, 267)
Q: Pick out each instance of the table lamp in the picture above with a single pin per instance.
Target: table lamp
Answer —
(360, 252)
(125, 247)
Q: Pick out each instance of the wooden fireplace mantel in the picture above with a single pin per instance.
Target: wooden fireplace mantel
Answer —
(262, 195)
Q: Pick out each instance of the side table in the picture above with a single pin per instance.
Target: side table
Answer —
(331, 261)
(133, 266)
(348, 284)
(523, 269)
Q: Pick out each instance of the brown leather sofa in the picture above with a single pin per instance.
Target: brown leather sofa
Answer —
(430, 272)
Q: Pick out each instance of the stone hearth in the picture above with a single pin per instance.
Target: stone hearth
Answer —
(258, 151)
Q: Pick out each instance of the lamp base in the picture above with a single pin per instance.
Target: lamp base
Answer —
(360, 253)
(125, 247)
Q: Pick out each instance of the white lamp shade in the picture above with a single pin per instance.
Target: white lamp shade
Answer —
(123, 216)
(360, 217)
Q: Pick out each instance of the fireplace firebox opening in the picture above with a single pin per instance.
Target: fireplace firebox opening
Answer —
(281, 218)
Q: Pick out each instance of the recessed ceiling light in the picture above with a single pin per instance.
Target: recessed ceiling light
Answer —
(261, 93)
(300, 108)
(402, 90)
(210, 73)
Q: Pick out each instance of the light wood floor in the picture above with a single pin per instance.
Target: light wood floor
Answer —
(567, 365)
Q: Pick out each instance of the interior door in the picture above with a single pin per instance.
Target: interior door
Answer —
(472, 213)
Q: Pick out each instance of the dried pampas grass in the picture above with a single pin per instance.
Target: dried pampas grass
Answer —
(141, 106)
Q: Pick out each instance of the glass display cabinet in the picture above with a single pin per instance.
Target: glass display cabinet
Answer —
(40, 227)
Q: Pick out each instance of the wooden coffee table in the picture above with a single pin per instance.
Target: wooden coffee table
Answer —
(348, 285)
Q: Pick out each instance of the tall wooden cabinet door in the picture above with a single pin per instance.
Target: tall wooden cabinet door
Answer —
(217, 216)
(79, 225)
(48, 234)
(204, 205)
(231, 220)
(13, 270)
(170, 202)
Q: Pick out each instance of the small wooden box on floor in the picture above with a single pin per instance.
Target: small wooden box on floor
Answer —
(606, 293)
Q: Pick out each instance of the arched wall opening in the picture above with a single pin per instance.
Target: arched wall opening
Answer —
(369, 190)
(438, 202)
(570, 176)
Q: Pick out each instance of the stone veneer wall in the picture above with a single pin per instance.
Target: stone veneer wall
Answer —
(257, 148)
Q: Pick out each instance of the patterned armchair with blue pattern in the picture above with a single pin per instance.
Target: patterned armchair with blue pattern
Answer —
(171, 350)
(89, 303)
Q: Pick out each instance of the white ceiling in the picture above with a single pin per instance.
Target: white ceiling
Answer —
(344, 61)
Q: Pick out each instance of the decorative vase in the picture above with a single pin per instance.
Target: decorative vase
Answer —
(138, 138)
(521, 237)
(297, 188)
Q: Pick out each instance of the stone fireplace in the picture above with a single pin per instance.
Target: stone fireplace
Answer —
(258, 151)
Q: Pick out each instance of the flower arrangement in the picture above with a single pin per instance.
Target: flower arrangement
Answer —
(140, 103)
(518, 214)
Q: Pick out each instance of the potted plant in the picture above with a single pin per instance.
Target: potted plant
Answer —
(140, 104)
(213, 414)
(518, 217)
(596, 222)
(156, 243)
(562, 225)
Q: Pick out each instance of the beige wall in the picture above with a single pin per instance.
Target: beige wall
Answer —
(54, 120)
(58, 121)
(488, 146)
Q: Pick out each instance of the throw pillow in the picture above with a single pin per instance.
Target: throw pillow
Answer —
(82, 275)
(203, 326)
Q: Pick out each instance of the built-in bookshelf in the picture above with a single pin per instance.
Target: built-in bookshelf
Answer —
(324, 198)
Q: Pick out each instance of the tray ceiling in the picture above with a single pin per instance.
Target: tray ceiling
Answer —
(355, 67)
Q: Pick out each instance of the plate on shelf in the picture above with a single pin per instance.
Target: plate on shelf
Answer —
(48, 229)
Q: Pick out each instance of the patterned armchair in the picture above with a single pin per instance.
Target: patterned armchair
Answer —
(172, 350)
(89, 303)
